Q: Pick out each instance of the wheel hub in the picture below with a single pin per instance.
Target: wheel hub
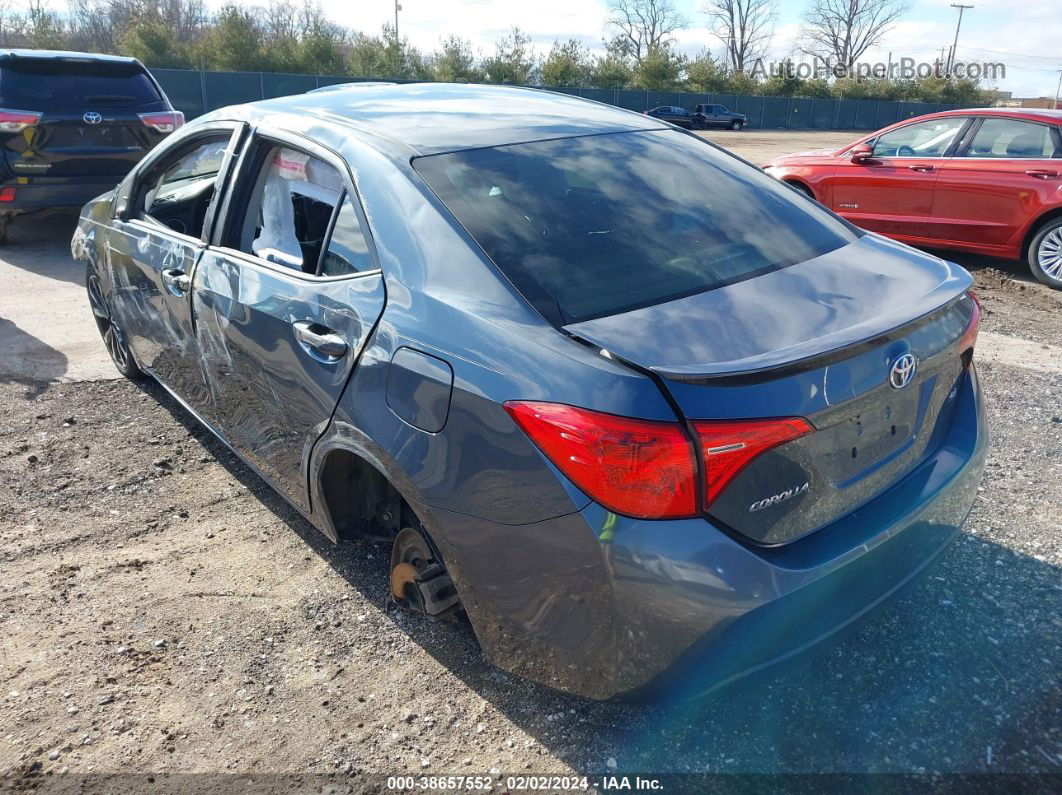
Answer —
(419, 582)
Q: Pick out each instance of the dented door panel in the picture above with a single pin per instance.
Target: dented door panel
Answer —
(272, 392)
(156, 318)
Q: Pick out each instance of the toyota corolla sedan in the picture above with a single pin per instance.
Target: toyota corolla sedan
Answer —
(986, 180)
(650, 419)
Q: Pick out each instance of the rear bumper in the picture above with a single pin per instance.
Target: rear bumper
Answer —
(606, 606)
(55, 192)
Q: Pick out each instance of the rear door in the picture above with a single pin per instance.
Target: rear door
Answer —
(93, 118)
(152, 251)
(284, 303)
(892, 192)
(1007, 170)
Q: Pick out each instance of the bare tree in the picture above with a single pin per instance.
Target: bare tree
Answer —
(280, 21)
(840, 31)
(97, 25)
(744, 26)
(643, 26)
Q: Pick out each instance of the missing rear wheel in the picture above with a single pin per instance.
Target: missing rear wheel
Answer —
(419, 581)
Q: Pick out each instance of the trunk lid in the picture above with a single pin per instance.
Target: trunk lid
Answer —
(815, 340)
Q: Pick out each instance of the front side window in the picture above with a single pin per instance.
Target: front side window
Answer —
(597, 225)
(297, 201)
(923, 139)
(179, 189)
(1013, 139)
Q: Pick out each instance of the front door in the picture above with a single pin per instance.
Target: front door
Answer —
(892, 191)
(154, 251)
(284, 304)
(989, 191)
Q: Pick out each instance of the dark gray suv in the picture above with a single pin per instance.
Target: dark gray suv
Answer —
(72, 124)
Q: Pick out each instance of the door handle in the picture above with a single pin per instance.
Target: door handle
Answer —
(176, 281)
(319, 339)
(1041, 173)
(922, 169)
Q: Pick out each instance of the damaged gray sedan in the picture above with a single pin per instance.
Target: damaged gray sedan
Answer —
(650, 419)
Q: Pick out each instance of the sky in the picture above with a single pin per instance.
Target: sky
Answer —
(1026, 35)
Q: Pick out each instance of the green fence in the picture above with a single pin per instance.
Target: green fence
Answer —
(196, 93)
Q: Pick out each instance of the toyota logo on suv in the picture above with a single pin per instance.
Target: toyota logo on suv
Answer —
(903, 370)
(92, 117)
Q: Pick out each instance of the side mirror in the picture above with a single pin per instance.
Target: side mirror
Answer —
(861, 153)
(121, 207)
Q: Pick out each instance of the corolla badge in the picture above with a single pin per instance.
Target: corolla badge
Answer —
(903, 371)
(788, 494)
(92, 117)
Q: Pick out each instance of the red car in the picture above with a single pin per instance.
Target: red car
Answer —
(986, 180)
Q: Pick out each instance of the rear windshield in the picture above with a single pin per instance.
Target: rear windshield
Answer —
(597, 225)
(44, 84)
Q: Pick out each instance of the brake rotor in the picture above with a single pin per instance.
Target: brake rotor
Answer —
(410, 555)
(418, 581)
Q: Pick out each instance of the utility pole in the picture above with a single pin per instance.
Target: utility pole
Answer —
(1059, 89)
(398, 43)
(955, 45)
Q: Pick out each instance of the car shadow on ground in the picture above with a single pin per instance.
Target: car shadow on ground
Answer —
(958, 676)
(31, 245)
(28, 360)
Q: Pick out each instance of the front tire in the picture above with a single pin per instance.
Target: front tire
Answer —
(736, 125)
(112, 334)
(1045, 254)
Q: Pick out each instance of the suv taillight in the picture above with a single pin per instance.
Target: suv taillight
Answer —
(165, 122)
(17, 120)
(645, 468)
(969, 337)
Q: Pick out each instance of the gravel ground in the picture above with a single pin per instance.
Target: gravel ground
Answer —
(162, 611)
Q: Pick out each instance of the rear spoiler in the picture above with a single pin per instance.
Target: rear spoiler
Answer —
(823, 351)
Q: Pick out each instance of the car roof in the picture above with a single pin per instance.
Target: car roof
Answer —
(9, 54)
(431, 118)
(347, 86)
(1032, 114)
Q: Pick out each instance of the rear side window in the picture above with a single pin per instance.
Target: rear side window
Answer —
(55, 84)
(597, 225)
(348, 251)
(1012, 138)
(300, 216)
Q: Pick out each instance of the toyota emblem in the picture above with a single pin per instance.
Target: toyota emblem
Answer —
(92, 117)
(903, 370)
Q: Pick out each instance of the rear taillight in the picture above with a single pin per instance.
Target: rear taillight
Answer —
(644, 468)
(632, 467)
(17, 120)
(7, 194)
(969, 337)
(165, 122)
(728, 446)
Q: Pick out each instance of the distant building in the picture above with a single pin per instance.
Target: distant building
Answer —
(1025, 102)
